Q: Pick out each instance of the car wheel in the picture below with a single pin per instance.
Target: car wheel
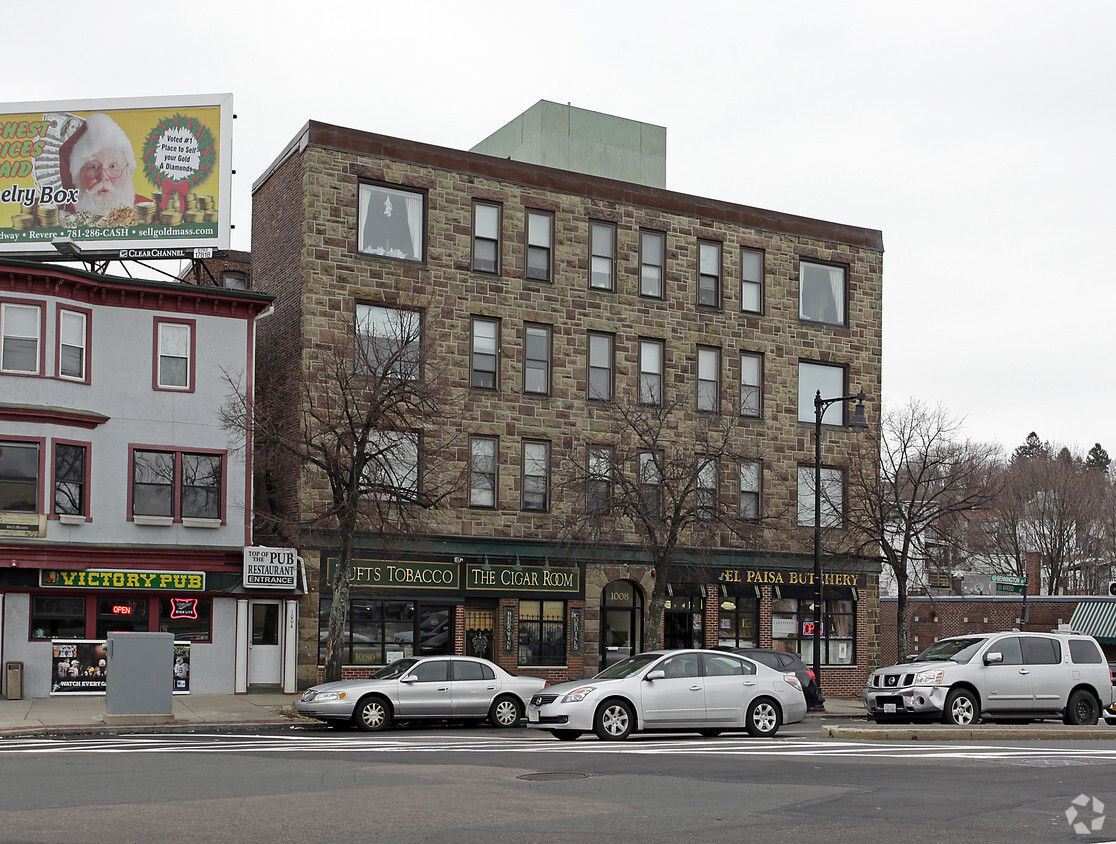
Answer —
(961, 708)
(764, 718)
(1082, 708)
(505, 712)
(709, 733)
(373, 714)
(614, 721)
(566, 735)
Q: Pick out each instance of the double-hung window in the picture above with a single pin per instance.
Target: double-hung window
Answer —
(709, 274)
(536, 475)
(390, 222)
(751, 384)
(174, 365)
(70, 479)
(21, 332)
(19, 477)
(388, 341)
(536, 363)
(600, 478)
(832, 497)
(824, 378)
(751, 475)
(652, 261)
(651, 371)
(600, 367)
(486, 237)
(540, 245)
(751, 281)
(73, 344)
(486, 353)
(709, 379)
(821, 293)
(602, 256)
(391, 466)
(482, 471)
(706, 487)
(650, 483)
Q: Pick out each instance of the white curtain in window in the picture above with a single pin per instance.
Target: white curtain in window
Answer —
(837, 286)
(414, 221)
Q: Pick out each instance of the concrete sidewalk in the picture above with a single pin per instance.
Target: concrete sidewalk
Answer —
(76, 715)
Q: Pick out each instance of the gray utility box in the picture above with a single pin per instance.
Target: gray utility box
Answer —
(13, 680)
(139, 686)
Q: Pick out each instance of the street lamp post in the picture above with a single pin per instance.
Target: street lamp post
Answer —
(858, 421)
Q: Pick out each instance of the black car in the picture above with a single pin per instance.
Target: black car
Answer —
(787, 663)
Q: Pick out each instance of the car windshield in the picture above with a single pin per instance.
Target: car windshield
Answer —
(394, 669)
(957, 650)
(628, 667)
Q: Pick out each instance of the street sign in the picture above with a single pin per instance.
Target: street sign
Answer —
(1011, 587)
(1009, 578)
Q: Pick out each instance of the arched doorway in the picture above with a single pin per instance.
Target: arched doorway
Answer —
(621, 621)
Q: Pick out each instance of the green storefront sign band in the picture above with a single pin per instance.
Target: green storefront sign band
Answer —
(396, 574)
(176, 581)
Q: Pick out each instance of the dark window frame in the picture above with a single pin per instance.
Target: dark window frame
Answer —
(644, 235)
(83, 483)
(39, 444)
(496, 243)
(705, 278)
(545, 444)
(475, 472)
(592, 391)
(85, 377)
(474, 369)
(656, 398)
(542, 628)
(749, 390)
(529, 246)
(702, 404)
(610, 256)
(548, 330)
(757, 283)
(363, 201)
(841, 317)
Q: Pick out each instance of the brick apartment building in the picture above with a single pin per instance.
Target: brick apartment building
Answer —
(553, 285)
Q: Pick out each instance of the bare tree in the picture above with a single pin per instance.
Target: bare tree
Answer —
(665, 475)
(927, 477)
(360, 435)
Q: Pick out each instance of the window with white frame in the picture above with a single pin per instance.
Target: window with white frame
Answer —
(20, 336)
(821, 293)
(600, 478)
(390, 222)
(536, 475)
(70, 479)
(652, 263)
(600, 366)
(391, 468)
(486, 237)
(706, 487)
(709, 274)
(175, 355)
(602, 255)
(650, 482)
(389, 341)
(751, 474)
(73, 338)
(540, 245)
(651, 371)
(19, 477)
(751, 384)
(486, 353)
(536, 363)
(482, 471)
(830, 381)
(832, 497)
(709, 379)
(751, 280)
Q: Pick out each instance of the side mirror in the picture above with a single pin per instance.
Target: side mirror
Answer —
(410, 678)
(993, 658)
(657, 674)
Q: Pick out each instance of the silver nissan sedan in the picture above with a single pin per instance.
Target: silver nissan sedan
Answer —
(432, 687)
(694, 690)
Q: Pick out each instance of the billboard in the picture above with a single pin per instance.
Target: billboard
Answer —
(135, 178)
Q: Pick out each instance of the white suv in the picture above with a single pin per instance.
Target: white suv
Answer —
(1000, 676)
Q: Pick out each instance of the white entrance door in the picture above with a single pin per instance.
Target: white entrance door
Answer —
(265, 655)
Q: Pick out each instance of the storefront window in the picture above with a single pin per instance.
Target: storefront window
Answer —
(116, 614)
(792, 620)
(542, 632)
(683, 618)
(57, 617)
(379, 632)
(187, 618)
(738, 621)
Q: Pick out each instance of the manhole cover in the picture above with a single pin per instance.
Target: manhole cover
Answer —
(557, 775)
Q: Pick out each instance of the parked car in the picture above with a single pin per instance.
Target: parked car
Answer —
(999, 676)
(785, 661)
(1110, 710)
(433, 687)
(693, 690)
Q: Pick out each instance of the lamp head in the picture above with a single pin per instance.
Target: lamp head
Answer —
(859, 420)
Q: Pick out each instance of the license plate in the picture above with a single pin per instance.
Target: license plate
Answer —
(889, 707)
(533, 716)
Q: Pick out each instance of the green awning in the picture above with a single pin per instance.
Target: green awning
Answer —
(1096, 619)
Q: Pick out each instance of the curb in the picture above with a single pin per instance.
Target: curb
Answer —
(1037, 732)
(140, 729)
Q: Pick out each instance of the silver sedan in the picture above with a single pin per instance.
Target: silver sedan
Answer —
(704, 691)
(433, 687)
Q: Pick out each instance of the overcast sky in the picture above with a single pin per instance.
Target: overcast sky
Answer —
(977, 135)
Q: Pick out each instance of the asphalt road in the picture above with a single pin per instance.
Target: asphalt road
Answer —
(437, 784)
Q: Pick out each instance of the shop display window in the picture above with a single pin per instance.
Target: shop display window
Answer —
(542, 632)
(57, 617)
(792, 621)
(738, 621)
(117, 614)
(189, 619)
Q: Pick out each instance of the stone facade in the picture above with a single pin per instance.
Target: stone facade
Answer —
(304, 248)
